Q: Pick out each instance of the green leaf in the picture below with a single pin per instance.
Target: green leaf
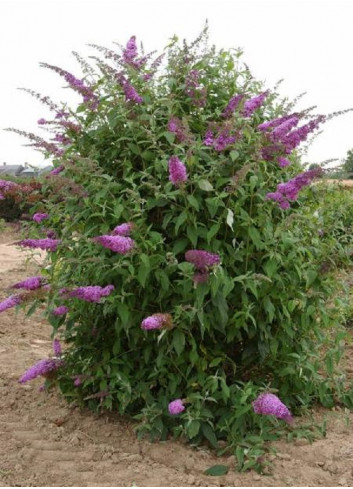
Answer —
(205, 185)
(210, 435)
(170, 137)
(180, 220)
(193, 202)
(234, 155)
(144, 269)
(123, 312)
(178, 341)
(193, 428)
(212, 232)
(148, 156)
(180, 246)
(134, 148)
(269, 308)
(310, 277)
(217, 470)
(192, 235)
(256, 238)
(270, 267)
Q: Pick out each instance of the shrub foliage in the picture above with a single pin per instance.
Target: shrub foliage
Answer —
(170, 147)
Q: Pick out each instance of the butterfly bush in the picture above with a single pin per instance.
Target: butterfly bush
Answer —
(172, 168)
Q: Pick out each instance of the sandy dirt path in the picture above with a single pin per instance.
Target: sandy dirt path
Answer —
(44, 442)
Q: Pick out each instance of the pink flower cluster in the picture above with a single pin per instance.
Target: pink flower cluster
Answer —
(12, 301)
(254, 103)
(202, 260)
(44, 244)
(177, 127)
(194, 90)
(38, 217)
(118, 244)
(92, 293)
(31, 283)
(57, 170)
(123, 229)
(177, 171)
(6, 186)
(269, 404)
(285, 137)
(60, 311)
(176, 407)
(221, 140)
(129, 91)
(289, 191)
(44, 367)
(130, 54)
(232, 105)
(41, 368)
(157, 321)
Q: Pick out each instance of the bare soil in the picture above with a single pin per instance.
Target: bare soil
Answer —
(45, 442)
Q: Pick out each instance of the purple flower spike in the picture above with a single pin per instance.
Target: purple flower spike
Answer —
(57, 348)
(39, 217)
(92, 293)
(131, 93)
(269, 404)
(254, 103)
(57, 170)
(177, 171)
(176, 407)
(202, 259)
(77, 381)
(223, 140)
(283, 162)
(31, 283)
(43, 244)
(43, 367)
(232, 105)
(157, 321)
(60, 311)
(119, 244)
(290, 190)
(12, 301)
(177, 127)
(130, 52)
(209, 138)
(200, 277)
(123, 229)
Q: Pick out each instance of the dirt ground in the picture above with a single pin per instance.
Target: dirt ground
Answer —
(44, 442)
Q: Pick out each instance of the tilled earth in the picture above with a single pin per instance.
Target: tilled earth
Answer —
(45, 442)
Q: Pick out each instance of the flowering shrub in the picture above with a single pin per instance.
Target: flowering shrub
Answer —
(17, 197)
(176, 280)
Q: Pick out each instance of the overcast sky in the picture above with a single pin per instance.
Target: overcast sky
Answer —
(308, 43)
